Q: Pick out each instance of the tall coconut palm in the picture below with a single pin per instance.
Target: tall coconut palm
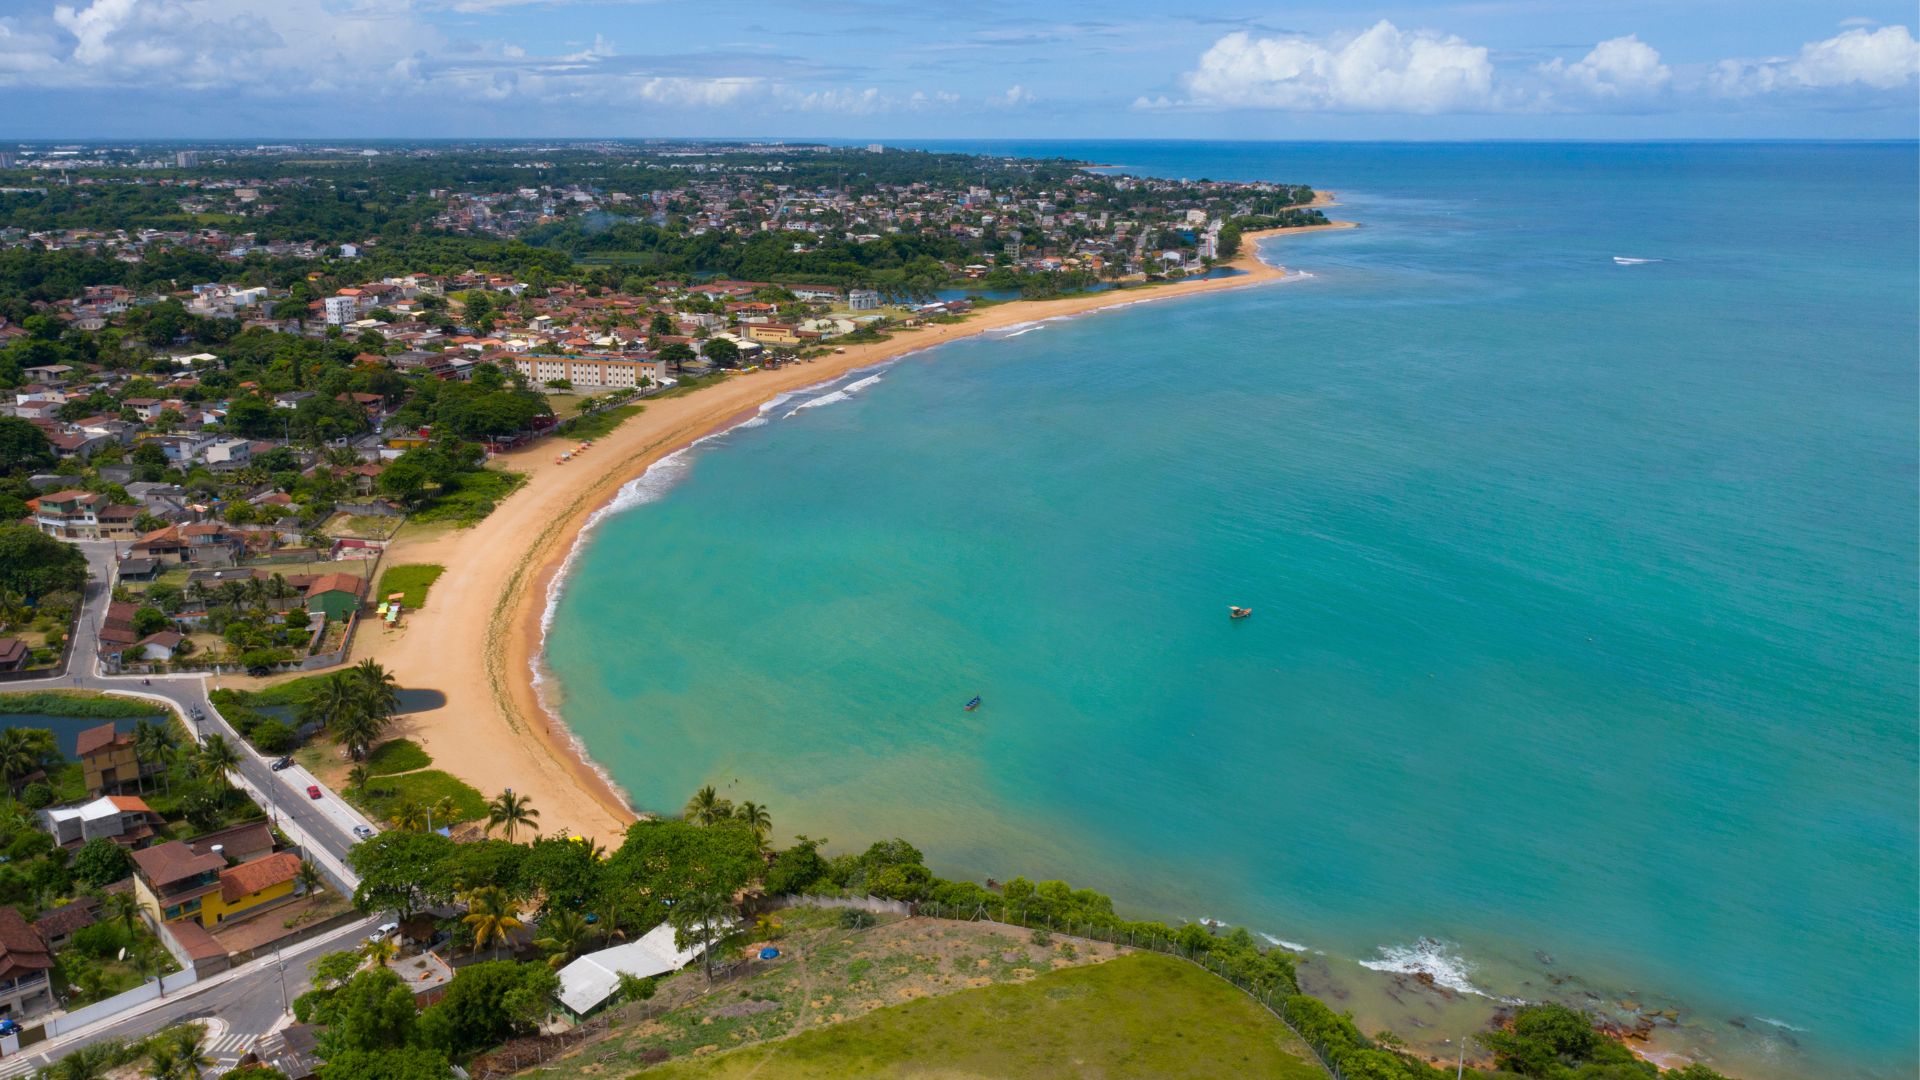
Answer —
(707, 807)
(215, 758)
(358, 730)
(492, 916)
(277, 586)
(358, 777)
(122, 906)
(564, 934)
(755, 817)
(511, 811)
(702, 921)
(379, 692)
(159, 748)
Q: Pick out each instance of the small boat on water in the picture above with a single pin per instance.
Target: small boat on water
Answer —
(974, 704)
(1239, 612)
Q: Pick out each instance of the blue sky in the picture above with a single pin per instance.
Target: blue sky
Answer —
(883, 69)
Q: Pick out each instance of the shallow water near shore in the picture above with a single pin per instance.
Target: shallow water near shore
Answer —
(1584, 594)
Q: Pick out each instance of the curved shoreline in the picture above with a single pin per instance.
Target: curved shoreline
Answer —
(481, 634)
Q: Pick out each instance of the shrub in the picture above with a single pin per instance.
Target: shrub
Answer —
(1041, 937)
(273, 737)
(855, 919)
(100, 862)
(36, 796)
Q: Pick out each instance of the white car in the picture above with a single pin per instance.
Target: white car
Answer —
(363, 832)
(380, 932)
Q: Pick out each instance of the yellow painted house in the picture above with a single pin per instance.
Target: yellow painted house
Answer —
(174, 882)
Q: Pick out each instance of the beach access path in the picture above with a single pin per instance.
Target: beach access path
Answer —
(479, 632)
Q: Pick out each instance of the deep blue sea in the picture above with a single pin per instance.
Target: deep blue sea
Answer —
(1583, 659)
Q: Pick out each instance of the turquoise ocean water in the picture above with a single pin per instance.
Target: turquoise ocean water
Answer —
(1585, 594)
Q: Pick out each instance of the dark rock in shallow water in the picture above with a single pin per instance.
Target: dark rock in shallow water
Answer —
(1544, 957)
(1739, 1022)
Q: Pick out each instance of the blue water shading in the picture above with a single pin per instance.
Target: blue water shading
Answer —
(1585, 593)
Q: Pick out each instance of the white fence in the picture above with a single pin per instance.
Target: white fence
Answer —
(120, 1003)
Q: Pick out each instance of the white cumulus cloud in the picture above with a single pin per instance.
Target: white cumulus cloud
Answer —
(1382, 69)
(1882, 59)
(1619, 68)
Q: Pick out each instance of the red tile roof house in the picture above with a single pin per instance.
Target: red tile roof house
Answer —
(25, 989)
(14, 654)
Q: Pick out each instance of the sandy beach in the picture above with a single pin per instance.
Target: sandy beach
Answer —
(480, 630)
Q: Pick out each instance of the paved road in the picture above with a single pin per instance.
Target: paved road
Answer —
(249, 999)
(247, 1004)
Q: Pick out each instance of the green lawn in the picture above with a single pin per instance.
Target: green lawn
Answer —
(397, 756)
(472, 499)
(412, 579)
(1141, 1015)
(599, 424)
(689, 383)
(427, 786)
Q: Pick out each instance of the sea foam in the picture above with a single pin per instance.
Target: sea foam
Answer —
(1431, 957)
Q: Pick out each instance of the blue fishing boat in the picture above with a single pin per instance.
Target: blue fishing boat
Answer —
(974, 704)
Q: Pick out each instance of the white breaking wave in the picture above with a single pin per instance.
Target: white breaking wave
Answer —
(1290, 946)
(862, 384)
(1028, 330)
(814, 403)
(1781, 1024)
(1428, 957)
(1626, 261)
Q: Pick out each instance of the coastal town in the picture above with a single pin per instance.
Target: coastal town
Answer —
(297, 439)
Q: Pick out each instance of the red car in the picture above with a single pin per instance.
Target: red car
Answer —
(313, 791)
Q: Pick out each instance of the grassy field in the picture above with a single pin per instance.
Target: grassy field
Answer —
(689, 383)
(361, 526)
(397, 756)
(384, 794)
(1141, 1015)
(599, 425)
(412, 579)
(473, 499)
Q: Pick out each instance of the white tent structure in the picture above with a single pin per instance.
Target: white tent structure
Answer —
(592, 979)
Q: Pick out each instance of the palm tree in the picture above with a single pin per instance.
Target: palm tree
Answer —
(308, 877)
(215, 757)
(358, 730)
(358, 777)
(512, 811)
(18, 758)
(491, 915)
(13, 607)
(177, 1054)
(707, 807)
(380, 951)
(702, 919)
(755, 817)
(379, 693)
(196, 592)
(443, 808)
(278, 588)
(121, 906)
(564, 936)
(90, 1062)
(409, 815)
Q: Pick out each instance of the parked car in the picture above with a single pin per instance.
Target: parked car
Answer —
(313, 791)
(282, 763)
(380, 932)
(363, 832)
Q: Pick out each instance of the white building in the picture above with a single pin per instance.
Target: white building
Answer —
(342, 310)
(863, 300)
(610, 372)
(588, 982)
